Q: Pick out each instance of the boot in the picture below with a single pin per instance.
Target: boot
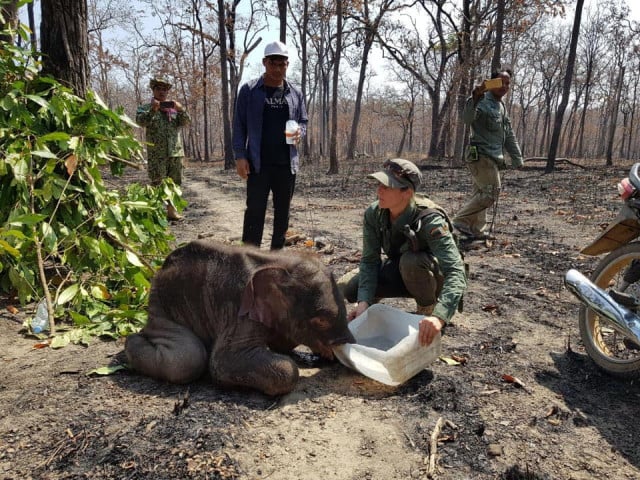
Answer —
(172, 213)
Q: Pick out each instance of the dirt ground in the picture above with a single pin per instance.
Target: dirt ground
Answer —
(570, 421)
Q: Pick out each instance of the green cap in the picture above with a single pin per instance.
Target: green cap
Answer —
(399, 173)
(159, 80)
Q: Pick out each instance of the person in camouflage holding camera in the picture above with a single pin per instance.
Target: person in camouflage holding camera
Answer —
(163, 120)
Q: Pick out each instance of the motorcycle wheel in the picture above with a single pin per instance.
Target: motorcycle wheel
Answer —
(610, 350)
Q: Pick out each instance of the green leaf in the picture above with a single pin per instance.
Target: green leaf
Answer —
(68, 294)
(107, 370)
(6, 248)
(30, 219)
(100, 292)
(43, 154)
(60, 341)
(55, 137)
(39, 100)
(133, 259)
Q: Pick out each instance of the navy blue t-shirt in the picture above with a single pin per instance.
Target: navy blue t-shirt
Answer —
(274, 149)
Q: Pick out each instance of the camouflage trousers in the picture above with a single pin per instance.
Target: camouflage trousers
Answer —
(415, 275)
(485, 176)
(161, 168)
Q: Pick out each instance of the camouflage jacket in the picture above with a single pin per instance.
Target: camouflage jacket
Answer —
(162, 131)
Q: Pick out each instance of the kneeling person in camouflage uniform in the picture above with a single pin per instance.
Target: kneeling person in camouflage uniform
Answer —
(422, 258)
(163, 120)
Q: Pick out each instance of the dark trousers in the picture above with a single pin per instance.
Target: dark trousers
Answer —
(281, 183)
(415, 274)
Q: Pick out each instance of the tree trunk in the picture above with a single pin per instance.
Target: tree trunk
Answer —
(571, 61)
(303, 74)
(205, 79)
(282, 14)
(496, 64)
(370, 30)
(465, 83)
(334, 166)
(614, 115)
(65, 42)
(229, 162)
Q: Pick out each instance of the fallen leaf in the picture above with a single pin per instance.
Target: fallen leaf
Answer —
(13, 310)
(515, 380)
(43, 344)
(71, 163)
(459, 359)
(489, 392)
(449, 361)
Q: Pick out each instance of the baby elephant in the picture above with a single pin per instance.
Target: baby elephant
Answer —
(237, 309)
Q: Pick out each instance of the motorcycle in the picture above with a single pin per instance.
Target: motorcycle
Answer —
(609, 321)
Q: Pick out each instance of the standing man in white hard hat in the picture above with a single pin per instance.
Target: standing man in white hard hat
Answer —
(265, 157)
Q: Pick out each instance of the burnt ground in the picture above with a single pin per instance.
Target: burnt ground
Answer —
(569, 421)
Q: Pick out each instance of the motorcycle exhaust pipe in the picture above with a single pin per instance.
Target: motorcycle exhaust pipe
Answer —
(622, 319)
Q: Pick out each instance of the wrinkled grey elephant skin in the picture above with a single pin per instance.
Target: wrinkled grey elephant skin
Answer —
(237, 310)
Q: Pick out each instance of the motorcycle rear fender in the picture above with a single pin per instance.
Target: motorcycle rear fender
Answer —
(622, 230)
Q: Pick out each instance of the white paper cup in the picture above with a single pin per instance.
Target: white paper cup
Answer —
(290, 131)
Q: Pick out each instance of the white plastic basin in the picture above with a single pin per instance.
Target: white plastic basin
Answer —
(387, 348)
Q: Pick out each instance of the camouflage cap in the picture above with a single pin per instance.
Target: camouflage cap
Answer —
(159, 80)
(399, 173)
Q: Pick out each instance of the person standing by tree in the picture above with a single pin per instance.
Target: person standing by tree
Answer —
(163, 120)
(491, 135)
(263, 156)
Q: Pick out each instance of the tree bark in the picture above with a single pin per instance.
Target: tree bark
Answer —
(496, 63)
(229, 162)
(334, 165)
(65, 43)
(282, 14)
(571, 61)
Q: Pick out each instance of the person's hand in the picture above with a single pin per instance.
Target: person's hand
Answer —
(297, 136)
(428, 329)
(242, 167)
(155, 104)
(178, 106)
(478, 91)
(362, 306)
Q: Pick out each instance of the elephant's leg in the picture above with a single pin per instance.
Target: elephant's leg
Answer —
(257, 367)
(167, 351)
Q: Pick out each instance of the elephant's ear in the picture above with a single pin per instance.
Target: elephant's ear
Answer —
(263, 298)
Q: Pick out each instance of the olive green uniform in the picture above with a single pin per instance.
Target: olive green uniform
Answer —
(165, 149)
(433, 274)
(491, 135)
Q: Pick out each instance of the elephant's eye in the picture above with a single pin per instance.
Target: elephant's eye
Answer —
(321, 322)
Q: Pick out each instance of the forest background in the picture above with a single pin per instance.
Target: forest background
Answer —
(383, 77)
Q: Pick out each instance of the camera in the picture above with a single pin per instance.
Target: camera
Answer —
(167, 104)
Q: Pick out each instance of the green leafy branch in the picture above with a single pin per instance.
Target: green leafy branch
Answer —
(89, 251)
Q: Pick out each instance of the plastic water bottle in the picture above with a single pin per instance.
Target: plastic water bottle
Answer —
(40, 321)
